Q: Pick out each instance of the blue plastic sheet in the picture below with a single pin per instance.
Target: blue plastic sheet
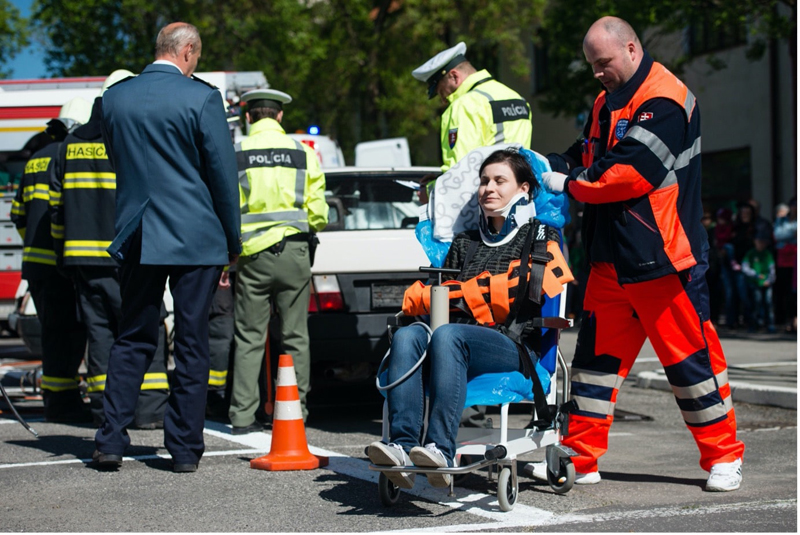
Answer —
(551, 208)
(497, 388)
(435, 250)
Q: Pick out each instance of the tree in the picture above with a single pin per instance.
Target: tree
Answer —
(347, 63)
(565, 24)
(13, 34)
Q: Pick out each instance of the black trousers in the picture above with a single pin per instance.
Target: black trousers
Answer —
(63, 344)
(101, 310)
(142, 289)
(220, 324)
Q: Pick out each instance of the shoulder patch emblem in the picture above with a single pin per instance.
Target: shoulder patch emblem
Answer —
(621, 128)
(645, 115)
(452, 137)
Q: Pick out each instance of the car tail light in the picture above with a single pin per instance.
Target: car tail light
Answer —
(325, 294)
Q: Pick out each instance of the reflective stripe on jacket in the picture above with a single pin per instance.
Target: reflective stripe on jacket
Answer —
(281, 187)
(86, 186)
(30, 214)
(640, 178)
(483, 112)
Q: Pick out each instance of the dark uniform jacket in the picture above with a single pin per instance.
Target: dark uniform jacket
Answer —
(84, 191)
(167, 137)
(29, 212)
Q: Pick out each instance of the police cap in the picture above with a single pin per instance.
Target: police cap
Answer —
(435, 68)
(266, 98)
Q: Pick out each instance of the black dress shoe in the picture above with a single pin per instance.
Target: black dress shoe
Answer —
(182, 468)
(252, 428)
(106, 461)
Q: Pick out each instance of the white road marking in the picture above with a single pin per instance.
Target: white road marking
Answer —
(133, 458)
(661, 512)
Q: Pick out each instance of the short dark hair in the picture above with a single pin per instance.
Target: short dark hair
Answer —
(256, 114)
(518, 164)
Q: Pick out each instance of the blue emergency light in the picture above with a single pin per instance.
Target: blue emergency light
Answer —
(313, 130)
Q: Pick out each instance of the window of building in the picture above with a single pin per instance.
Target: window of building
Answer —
(727, 177)
(542, 73)
(710, 35)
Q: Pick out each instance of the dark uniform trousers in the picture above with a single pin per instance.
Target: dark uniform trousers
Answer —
(220, 345)
(101, 307)
(63, 345)
(142, 289)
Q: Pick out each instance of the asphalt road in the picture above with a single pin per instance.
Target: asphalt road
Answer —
(651, 480)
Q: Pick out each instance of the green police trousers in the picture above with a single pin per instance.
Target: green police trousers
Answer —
(263, 279)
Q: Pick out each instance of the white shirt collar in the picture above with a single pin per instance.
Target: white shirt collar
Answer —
(166, 62)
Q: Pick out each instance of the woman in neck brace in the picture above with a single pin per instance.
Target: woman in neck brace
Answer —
(462, 349)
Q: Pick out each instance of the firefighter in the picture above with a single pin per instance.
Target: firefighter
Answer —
(82, 209)
(63, 336)
(220, 324)
(481, 110)
(282, 198)
(637, 168)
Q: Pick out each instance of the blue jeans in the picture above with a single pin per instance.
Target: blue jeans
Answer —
(456, 353)
(762, 307)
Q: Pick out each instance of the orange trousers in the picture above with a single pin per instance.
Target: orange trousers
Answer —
(672, 311)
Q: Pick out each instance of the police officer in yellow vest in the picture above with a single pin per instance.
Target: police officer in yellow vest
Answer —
(282, 197)
(82, 207)
(63, 336)
(482, 111)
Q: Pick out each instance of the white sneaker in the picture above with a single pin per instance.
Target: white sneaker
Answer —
(725, 477)
(539, 471)
(431, 457)
(392, 455)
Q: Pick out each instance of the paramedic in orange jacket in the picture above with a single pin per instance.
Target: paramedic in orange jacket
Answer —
(637, 169)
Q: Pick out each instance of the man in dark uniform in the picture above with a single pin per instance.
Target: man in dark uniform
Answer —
(177, 218)
(63, 336)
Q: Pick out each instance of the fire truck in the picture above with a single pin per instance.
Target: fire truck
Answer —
(25, 108)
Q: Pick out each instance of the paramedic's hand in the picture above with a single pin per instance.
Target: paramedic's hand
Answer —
(554, 181)
(225, 280)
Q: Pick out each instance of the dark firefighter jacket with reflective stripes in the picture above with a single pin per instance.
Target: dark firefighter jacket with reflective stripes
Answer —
(639, 175)
(29, 212)
(483, 112)
(281, 187)
(83, 198)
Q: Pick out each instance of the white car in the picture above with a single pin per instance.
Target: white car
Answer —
(368, 255)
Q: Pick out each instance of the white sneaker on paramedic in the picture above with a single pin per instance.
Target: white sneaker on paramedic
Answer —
(539, 471)
(392, 455)
(725, 477)
(431, 457)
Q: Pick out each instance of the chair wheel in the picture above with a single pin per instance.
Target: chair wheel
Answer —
(387, 490)
(562, 482)
(507, 491)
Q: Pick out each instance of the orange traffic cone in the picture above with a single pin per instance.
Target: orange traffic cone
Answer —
(289, 449)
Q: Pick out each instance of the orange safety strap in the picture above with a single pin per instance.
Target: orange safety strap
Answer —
(499, 290)
(473, 295)
(489, 297)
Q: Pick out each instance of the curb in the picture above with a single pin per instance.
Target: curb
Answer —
(776, 396)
